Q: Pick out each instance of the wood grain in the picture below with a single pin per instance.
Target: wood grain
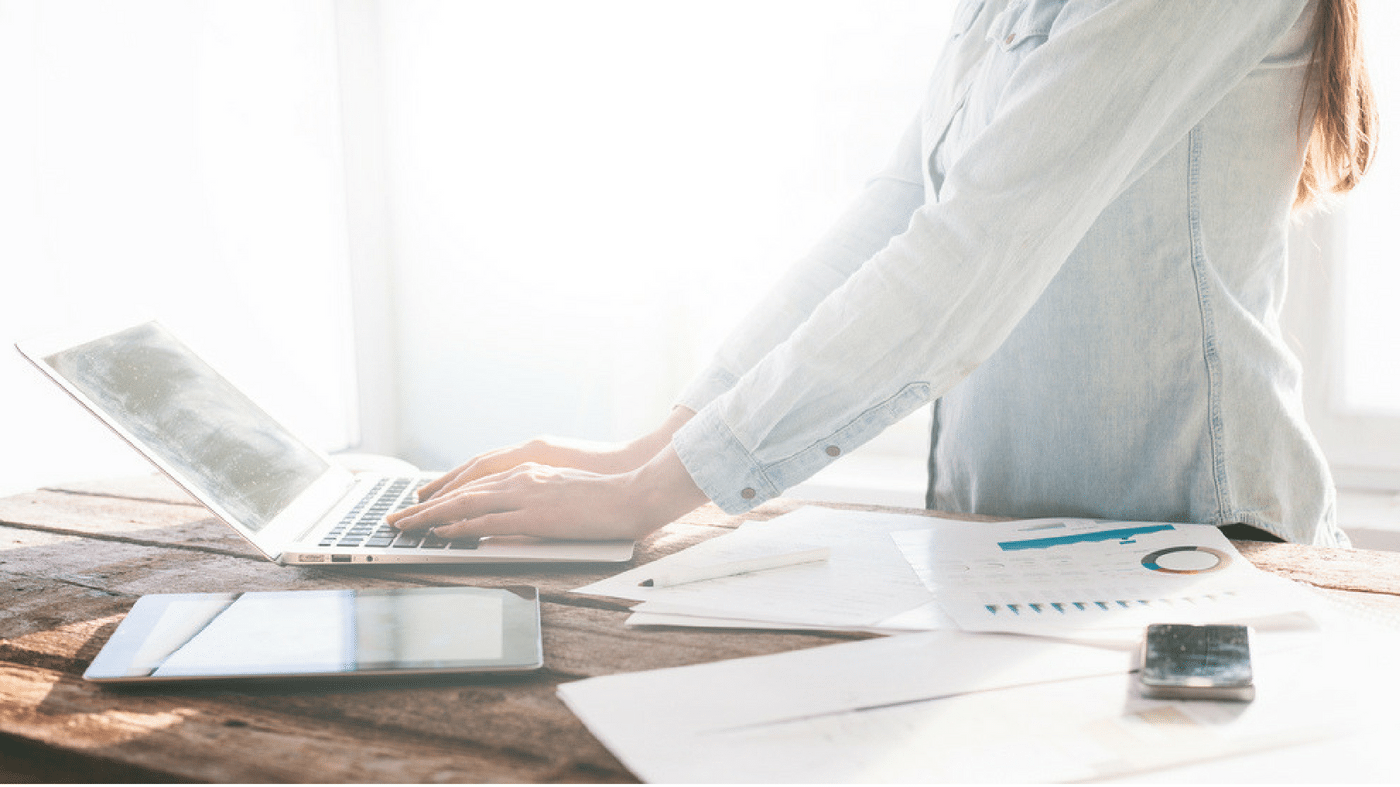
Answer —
(228, 738)
(74, 559)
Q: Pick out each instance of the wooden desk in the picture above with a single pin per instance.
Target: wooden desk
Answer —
(73, 561)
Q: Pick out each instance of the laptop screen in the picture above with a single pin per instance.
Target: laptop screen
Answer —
(193, 420)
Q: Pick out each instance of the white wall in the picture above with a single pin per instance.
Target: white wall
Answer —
(585, 196)
(178, 160)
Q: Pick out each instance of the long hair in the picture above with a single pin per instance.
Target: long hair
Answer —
(1342, 139)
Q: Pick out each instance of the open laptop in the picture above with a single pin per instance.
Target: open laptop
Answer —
(290, 501)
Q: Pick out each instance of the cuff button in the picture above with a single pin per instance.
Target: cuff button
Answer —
(748, 494)
(833, 450)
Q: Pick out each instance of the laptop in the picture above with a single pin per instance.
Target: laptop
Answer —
(289, 500)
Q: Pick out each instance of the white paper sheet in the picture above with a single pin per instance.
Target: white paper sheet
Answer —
(864, 583)
(665, 724)
(955, 706)
(928, 617)
(1056, 576)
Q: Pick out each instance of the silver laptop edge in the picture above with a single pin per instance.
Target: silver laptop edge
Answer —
(258, 504)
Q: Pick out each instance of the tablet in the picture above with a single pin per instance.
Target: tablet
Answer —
(288, 634)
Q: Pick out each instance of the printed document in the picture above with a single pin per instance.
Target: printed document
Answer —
(865, 583)
(1061, 577)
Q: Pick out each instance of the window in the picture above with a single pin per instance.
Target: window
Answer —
(1342, 299)
(182, 161)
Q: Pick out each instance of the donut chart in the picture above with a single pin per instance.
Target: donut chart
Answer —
(1186, 560)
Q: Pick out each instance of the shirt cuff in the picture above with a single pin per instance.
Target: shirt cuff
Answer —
(720, 465)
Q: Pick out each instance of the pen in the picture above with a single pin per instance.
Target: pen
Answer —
(680, 576)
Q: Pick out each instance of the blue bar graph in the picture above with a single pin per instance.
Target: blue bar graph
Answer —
(1125, 534)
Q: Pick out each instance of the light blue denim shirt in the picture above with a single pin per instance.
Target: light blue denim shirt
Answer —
(1079, 250)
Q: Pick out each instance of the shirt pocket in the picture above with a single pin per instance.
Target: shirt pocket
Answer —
(1023, 26)
(1012, 36)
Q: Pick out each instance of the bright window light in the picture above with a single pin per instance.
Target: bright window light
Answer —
(1370, 276)
(181, 161)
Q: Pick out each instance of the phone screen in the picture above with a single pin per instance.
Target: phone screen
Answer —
(1185, 661)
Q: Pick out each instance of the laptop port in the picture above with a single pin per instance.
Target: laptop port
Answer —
(340, 558)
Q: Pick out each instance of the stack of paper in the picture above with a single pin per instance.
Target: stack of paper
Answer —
(892, 573)
(865, 584)
(958, 702)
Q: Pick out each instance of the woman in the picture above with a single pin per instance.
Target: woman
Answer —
(1077, 252)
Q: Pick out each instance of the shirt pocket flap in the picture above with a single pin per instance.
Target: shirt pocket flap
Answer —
(1023, 22)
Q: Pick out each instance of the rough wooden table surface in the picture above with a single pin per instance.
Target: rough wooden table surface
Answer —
(73, 561)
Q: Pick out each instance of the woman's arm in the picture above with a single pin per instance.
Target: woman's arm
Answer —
(532, 499)
(880, 211)
(837, 358)
(624, 490)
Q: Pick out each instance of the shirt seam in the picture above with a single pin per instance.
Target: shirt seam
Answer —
(1210, 353)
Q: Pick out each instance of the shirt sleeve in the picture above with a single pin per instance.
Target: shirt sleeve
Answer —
(1116, 84)
(880, 212)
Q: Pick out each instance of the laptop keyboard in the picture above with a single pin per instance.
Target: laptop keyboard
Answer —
(363, 526)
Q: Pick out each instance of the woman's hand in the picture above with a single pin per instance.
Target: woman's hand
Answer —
(534, 499)
(599, 458)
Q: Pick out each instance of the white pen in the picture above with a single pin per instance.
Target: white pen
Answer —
(682, 575)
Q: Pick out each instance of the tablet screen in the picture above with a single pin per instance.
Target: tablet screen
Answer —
(324, 632)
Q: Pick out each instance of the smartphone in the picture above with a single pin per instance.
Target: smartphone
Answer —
(1184, 662)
